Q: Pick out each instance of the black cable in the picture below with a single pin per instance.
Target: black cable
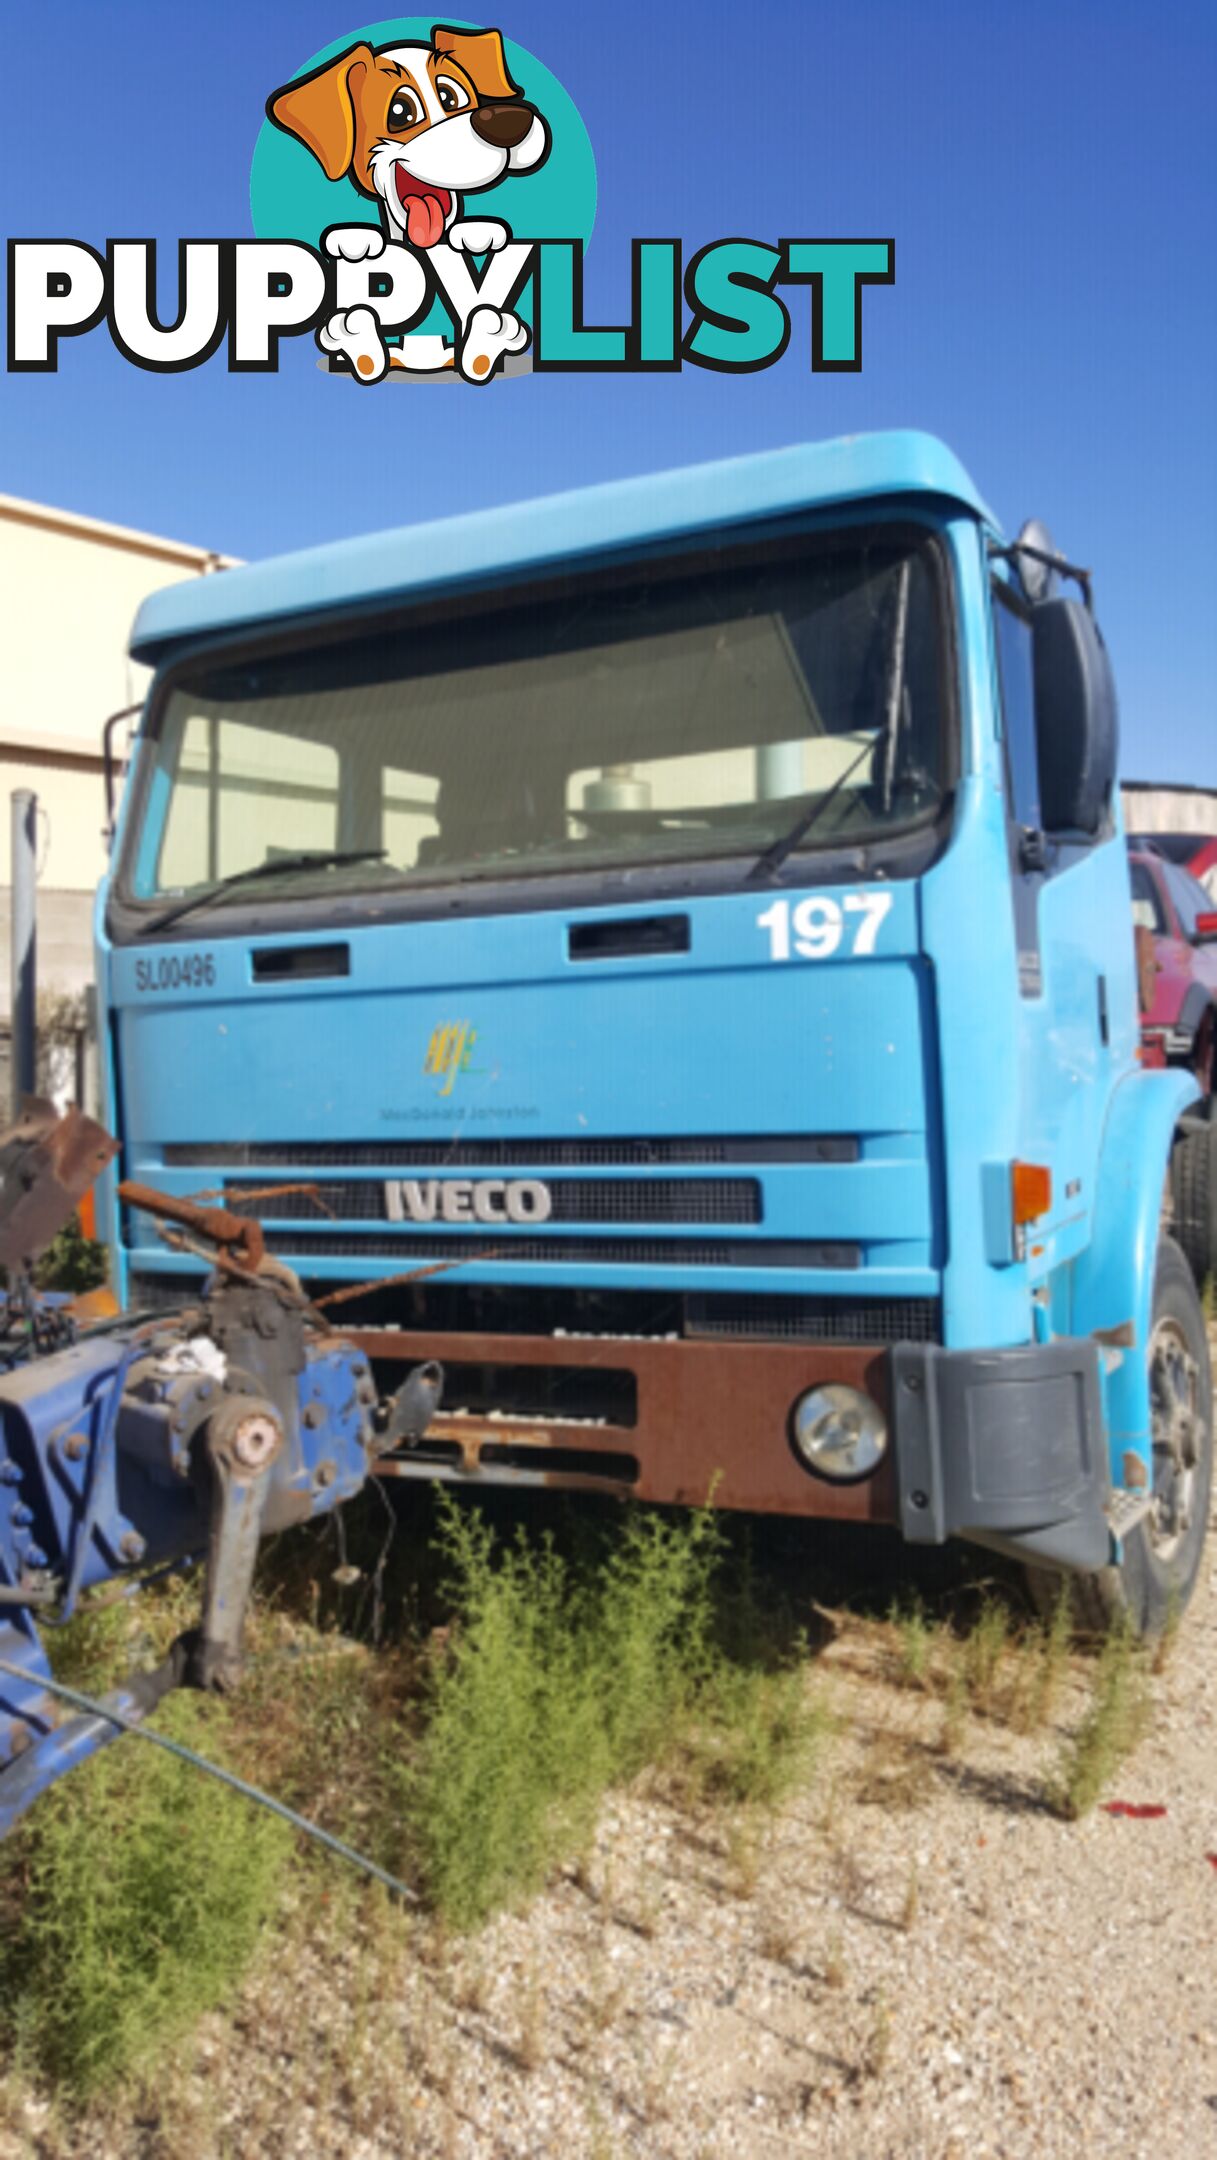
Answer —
(96, 1708)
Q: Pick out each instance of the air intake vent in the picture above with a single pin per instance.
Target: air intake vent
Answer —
(574, 1200)
(722, 1318)
(406, 1153)
(451, 1304)
(588, 1251)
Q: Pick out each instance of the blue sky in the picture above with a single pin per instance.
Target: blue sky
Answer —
(1049, 174)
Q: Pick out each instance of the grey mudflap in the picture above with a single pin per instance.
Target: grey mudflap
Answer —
(1004, 1447)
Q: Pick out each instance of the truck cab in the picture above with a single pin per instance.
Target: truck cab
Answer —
(663, 953)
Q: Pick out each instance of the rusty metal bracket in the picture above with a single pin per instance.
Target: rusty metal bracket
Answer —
(238, 1241)
(47, 1163)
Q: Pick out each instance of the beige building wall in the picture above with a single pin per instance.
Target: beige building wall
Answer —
(70, 588)
(1150, 809)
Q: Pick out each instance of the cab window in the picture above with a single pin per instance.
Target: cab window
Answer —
(1188, 897)
(1016, 677)
(1147, 910)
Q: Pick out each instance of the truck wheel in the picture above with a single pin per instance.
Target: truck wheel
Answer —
(1194, 1196)
(1161, 1559)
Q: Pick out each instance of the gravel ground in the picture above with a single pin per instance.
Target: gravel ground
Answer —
(949, 1971)
(917, 1960)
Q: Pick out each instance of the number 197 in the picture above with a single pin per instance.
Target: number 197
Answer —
(813, 929)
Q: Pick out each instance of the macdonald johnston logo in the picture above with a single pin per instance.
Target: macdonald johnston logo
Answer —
(422, 195)
(449, 1052)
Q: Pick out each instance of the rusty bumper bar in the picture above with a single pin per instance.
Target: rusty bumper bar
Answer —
(1006, 1448)
(705, 1412)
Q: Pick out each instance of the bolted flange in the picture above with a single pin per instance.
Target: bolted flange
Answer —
(246, 1433)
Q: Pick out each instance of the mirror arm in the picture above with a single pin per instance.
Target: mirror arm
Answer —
(1010, 554)
(127, 712)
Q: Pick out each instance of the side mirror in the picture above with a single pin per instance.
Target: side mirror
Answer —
(1035, 558)
(110, 766)
(1206, 927)
(1076, 720)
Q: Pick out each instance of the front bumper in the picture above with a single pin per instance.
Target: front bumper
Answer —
(707, 1419)
(1003, 1447)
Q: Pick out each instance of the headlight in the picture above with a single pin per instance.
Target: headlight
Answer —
(838, 1432)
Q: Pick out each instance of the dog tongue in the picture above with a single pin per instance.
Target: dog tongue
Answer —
(424, 220)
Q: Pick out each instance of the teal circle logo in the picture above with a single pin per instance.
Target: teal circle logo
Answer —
(294, 196)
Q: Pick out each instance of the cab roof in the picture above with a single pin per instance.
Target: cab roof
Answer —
(417, 562)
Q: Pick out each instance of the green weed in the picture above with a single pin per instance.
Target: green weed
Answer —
(72, 1261)
(756, 1738)
(133, 1899)
(146, 1889)
(1051, 1645)
(509, 1748)
(984, 1652)
(555, 1684)
(954, 1710)
(877, 2050)
(1165, 1642)
(914, 1643)
(1114, 1723)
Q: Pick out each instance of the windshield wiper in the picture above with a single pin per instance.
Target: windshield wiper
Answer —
(274, 866)
(775, 855)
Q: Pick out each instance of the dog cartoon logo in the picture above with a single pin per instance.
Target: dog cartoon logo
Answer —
(418, 128)
(380, 181)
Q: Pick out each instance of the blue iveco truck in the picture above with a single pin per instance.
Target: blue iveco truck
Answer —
(662, 953)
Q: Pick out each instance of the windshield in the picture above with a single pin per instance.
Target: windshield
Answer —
(668, 718)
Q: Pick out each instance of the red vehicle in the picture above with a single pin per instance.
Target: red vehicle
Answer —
(1194, 852)
(1202, 863)
(1176, 930)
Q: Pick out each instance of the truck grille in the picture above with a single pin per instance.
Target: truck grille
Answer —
(574, 1200)
(597, 1251)
(445, 1304)
(720, 1318)
(489, 1154)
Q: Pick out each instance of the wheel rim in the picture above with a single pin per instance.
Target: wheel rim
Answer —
(1177, 1427)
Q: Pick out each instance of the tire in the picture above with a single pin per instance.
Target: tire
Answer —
(1204, 1053)
(1161, 1557)
(1194, 1196)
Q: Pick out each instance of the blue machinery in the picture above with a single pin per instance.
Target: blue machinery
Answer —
(137, 1445)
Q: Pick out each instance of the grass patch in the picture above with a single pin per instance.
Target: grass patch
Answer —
(753, 1739)
(555, 1682)
(1042, 1667)
(1113, 1724)
(986, 1665)
(953, 1729)
(523, 1674)
(1165, 1642)
(913, 1643)
(984, 1653)
(896, 1772)
(145, 1889)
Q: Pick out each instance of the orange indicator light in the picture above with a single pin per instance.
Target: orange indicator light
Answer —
(1031, 1191)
